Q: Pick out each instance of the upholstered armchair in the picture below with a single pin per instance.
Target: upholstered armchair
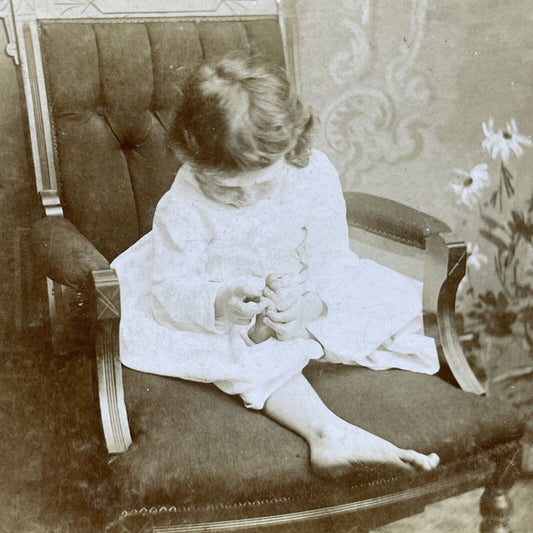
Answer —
(101, 96)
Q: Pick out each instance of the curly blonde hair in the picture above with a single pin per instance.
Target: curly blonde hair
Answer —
(239, 113)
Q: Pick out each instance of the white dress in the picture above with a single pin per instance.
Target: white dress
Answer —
(169, 280)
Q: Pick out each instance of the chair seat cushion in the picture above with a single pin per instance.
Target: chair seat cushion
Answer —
(195, 445)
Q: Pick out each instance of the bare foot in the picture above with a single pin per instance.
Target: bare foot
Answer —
(347, 448)
(337, 447)
(260, 332)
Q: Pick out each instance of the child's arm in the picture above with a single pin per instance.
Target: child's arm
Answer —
(183, 293)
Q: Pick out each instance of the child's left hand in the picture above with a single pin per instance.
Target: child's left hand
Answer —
(291, 323)
(285, 290)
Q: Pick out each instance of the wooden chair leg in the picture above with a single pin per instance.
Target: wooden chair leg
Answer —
(495, 505)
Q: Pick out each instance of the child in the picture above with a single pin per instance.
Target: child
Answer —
(247, 273)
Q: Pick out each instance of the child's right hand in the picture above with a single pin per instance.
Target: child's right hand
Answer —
(238, 305)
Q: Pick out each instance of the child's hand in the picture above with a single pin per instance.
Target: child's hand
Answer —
(285, 290)
(291, 323)
(238, 305)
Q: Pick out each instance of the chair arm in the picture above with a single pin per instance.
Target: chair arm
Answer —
(64, 253)
(444, 267)
(391, 219)
(106, 314)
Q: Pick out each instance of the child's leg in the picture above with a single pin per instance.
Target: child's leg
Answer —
(336, 447)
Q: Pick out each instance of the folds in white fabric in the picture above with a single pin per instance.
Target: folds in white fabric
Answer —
(170, 278)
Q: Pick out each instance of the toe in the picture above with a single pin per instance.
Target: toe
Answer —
(410, 456)
(405, 466)
(417, 460)
(434, 460)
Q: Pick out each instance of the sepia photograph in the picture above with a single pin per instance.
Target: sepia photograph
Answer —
(268, 266)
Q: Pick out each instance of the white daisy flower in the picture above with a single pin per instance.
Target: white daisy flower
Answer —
(473, 183)
(474, 257)
(502, 143)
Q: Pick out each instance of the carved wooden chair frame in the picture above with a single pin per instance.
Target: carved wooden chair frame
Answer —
(445, 253)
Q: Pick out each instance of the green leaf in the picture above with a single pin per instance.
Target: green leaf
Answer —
(499, 243)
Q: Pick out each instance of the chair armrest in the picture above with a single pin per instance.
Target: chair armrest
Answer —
(105, 298)
(444, 267)
(391, 219)
(64, 253)
(70, 259)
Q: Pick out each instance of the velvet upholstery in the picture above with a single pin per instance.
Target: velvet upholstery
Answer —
(175, 458)
(64, 254)
(391, 219)
(113, 89)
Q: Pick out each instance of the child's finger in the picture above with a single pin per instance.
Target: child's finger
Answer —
(288, 315)
(280, 283)
(284, 332)
(283, 299)
(248, 292)
(280, 295)
(266, 303)
(249, 309)
(280, 329)
(270, 294)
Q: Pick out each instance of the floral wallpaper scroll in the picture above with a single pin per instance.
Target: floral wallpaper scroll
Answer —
(402, 89)
(373, 122)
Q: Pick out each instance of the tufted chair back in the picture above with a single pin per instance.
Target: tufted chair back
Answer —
(113, 90)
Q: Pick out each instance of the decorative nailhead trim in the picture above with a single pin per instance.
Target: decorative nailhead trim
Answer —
(388, 235)
(153, 511)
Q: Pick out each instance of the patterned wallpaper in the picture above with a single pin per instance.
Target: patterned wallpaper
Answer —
(375, 117)
(402, 88)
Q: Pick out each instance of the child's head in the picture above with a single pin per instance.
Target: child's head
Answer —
(240, 114)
